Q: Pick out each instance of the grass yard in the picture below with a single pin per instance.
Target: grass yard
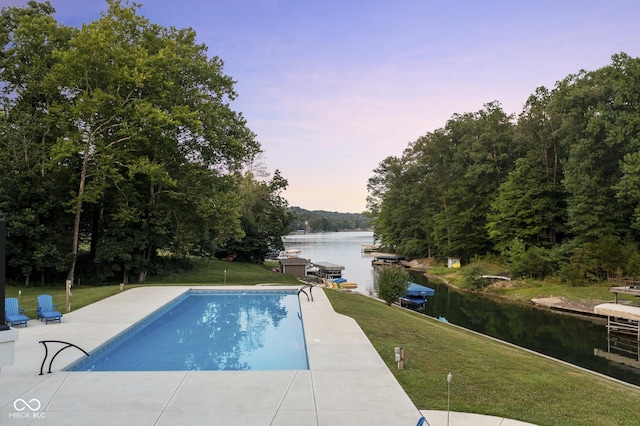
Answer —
(203, 273)
(489, 377)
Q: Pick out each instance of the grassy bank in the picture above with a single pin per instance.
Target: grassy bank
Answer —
(489, 377)
(525, 290)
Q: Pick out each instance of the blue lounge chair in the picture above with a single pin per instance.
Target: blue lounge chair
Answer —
(47, 310)
(13, 314)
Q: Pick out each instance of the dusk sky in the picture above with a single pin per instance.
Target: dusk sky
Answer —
(331, 88)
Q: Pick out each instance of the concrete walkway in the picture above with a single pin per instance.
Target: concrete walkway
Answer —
(347, 382)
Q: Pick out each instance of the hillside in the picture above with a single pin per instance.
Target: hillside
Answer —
(326, 221)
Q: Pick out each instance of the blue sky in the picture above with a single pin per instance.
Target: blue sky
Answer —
(332, 87)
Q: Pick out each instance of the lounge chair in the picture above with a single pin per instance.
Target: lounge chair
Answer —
(47, 310)
(422, 421)
(12, 313)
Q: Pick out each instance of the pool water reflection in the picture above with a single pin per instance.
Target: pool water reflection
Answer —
(211, 330)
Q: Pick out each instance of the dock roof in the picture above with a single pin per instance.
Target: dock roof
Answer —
(619, 311)
(327, 265)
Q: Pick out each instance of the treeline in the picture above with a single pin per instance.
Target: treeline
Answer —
(325, 221)
(553, 190)
(118, 143)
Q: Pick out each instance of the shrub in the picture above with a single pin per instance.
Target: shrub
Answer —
(393, 283)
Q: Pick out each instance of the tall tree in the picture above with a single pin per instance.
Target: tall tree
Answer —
(132, 117)
(264, 217)
(531, 203)
(31, 193)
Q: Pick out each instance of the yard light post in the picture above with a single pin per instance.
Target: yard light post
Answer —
(449, 378)
(225, 277)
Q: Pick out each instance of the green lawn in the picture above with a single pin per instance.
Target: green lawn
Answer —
(203, 273)
(489, 377)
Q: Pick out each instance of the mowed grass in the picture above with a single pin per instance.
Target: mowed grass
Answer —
(489, 377)
(203, 273)
(219, 272)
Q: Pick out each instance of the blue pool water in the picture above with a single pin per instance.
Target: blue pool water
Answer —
(211, 330)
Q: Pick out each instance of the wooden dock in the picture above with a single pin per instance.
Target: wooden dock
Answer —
(633, 290)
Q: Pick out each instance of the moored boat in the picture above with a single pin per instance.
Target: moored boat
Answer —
(416, 295)
(339, 283)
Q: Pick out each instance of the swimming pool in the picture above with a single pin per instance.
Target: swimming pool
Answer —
(210, 330)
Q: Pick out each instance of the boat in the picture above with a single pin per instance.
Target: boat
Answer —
(288, 254)
(339, 283)
(343, 283)
(348, 285)
(416, 295)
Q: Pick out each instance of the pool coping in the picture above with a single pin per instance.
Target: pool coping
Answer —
(347, 381)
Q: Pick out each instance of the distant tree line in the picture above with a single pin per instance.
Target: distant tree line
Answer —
(118, 145)
(325, 221)
(553, 190)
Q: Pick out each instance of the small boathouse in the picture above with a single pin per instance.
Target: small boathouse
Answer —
(294, 266)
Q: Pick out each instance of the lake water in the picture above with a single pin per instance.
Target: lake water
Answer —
(582, 341)
(341, 248)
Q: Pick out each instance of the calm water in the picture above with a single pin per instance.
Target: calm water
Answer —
(341, 248)
(211, 330)
(579, 340)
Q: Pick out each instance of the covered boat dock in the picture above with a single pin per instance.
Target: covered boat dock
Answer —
(417, 294)
(622, 319)
(329, 270)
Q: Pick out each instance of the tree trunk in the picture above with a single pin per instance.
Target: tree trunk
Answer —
(76, 222)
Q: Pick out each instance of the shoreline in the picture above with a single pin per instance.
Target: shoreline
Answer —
(581, 307)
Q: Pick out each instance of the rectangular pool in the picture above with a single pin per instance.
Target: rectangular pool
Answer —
(211, 330)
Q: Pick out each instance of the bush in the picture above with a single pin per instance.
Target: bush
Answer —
(393, 283)
(472, 275)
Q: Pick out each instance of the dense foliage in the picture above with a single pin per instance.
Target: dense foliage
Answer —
(117, 143)
(554, 190)
(393, 283)
(325, 221)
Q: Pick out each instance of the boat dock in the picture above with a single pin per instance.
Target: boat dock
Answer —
(386, 259)
(622, 319)
(328, 270)
(416, 295)
(633, 290)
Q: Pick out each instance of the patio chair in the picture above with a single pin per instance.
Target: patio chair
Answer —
(47, 310)
(422, 421)
(12, 313)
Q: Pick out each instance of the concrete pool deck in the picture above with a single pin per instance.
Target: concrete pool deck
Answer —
(347, 382)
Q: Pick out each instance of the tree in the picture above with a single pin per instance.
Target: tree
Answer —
(393, 283)
(264, 217)
(592, 170)
(32, 196)
(132, 118)
(531, 203)
(153, 127)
